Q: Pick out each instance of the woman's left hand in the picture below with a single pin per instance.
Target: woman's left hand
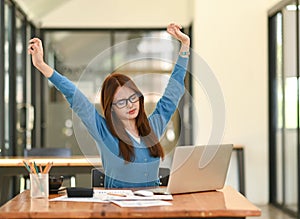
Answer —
(174, 30)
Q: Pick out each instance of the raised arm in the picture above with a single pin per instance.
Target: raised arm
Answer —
(168, 103)
(64, 85)
(77, 100)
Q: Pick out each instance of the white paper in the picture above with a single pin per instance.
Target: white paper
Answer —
(126, 195)
(148, 203)
(113, 195)
(66, 199)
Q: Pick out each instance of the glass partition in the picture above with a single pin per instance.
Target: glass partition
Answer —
(291, 111)
(284, 106)
(70, 53)
(7, 51)
(21, 84)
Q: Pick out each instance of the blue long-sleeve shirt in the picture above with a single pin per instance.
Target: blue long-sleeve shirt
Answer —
(143, 171)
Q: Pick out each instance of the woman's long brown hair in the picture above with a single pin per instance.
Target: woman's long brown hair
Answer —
(109, 87)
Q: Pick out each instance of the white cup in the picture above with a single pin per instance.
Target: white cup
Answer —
(39, 185)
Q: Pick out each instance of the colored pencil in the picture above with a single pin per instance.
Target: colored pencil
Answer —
(27, 166)
(41, 168)
(32, 168)
(35, 167)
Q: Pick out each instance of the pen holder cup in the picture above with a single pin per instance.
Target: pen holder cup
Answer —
(39, 185)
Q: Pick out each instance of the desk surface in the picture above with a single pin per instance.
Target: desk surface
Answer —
(223, 203)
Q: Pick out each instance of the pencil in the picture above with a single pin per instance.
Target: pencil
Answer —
(32, 168)
(27, 166)
(50, 167)
(35, 167)
(117, 194)
(46, 167)
(41, 169)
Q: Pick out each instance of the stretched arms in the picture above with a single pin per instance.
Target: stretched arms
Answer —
(35, 49)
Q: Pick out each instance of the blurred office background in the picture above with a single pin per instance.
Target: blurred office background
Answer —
(250, 46)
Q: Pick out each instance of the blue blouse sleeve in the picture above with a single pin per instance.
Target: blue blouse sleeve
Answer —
(168, 103)
(80, 105)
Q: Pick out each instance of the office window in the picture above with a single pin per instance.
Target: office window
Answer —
(15, 85)
(2, 54)
(70, 53)
(21, 84)
(7, 69)
(284, 108)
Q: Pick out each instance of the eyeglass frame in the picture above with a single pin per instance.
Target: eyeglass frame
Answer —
(126, 101)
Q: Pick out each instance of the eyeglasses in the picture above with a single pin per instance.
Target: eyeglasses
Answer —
(122, 103)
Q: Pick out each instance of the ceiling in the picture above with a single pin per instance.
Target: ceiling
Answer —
(64, 14)
(105, 14)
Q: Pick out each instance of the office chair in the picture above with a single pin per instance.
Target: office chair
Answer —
(98, 176)
(55, 152)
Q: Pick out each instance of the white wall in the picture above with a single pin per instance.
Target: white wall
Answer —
(232, 37)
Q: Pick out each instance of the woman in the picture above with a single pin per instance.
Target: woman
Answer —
(127, 139)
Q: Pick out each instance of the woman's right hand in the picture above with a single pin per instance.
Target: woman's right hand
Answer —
(35, 49)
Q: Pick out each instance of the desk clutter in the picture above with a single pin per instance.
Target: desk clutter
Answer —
(225, 203)
(120, 197)
(39, 173)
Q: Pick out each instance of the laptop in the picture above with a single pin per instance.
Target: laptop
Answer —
(197, 168)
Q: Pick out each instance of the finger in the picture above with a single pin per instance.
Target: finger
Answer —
(169, 26)
(34, 40)
(178, 26)
(172, 28)
(30, 50)
(177, 31)
(175, 25)
(33, 48)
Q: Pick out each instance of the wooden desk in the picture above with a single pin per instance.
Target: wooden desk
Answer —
(13, 166)
(225, 203)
